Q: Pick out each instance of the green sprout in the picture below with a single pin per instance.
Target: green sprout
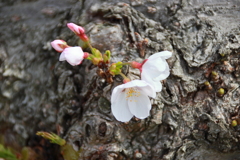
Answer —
(52, 137)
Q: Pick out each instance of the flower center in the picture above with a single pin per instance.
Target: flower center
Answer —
(132, 93)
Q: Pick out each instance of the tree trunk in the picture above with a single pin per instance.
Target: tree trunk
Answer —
(190, 119)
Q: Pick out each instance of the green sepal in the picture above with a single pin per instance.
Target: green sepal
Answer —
(82, 44)
(115, 68)
(107, 56)
(96, 53)
(90, 57)
(69, 153)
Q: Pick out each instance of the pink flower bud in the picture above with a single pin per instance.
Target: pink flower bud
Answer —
(59, 45)
(84, 37)
(78, 30)
(86, 54)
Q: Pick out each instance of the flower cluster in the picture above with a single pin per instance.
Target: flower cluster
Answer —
(132, 97)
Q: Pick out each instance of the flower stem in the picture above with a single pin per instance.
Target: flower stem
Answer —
(90, 46)
(127, 63)
(125, 79)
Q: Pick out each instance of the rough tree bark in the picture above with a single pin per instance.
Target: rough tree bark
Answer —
(188, 119)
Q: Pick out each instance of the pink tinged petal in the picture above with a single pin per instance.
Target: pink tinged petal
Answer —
(163, 54)
(58, 45)
(75, 28)
(73, 55)
(119, 105)
(139, 105)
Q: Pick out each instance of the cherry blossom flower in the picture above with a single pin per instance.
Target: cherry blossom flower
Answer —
(73, 55)
(155, 69)
(131, 99)
(59, 45)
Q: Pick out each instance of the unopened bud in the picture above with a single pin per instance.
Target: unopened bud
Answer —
(96, 53)
(85, 55)
(107, 56)
(78, 30)
(208, 86)
(115, 68)
(95, 61)
(214, 76)
(222, 54)
(234, 123)
(220, 92)
(59, 45)
(112, 69)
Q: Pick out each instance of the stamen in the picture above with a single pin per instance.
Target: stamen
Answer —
(132, 93)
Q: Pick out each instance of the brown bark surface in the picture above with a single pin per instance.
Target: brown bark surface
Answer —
(189, 120)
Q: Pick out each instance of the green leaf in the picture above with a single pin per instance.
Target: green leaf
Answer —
(6, 153)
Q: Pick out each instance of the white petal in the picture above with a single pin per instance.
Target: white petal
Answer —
(143, 85)
(74, 55)
(62, 57)
(148, 90)
(157, 64)
(156, 84)
(135, 83)
(160, 64)
(155, 70)
(146, 87)
(163, 54)
(163, 75)
(119, 105)
(152, 73)
(116, 91)
(140, 106)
